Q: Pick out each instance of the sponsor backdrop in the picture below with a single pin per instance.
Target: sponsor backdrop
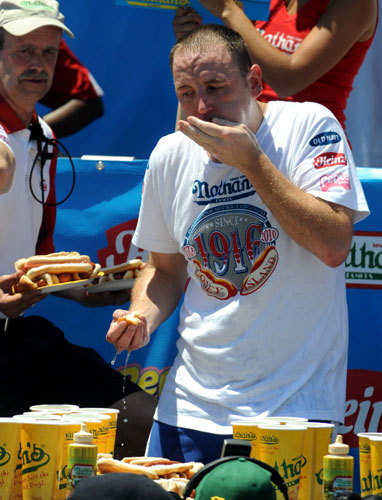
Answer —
(126, 48)
(99, 220)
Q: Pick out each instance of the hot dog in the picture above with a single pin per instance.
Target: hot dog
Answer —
(155, 467)
(54, 268)
(127, 270)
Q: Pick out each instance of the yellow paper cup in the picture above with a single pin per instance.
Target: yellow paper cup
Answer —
(56, 408)
(36, 416)
(318, 436)
(366, 480)
(112, 432)
(41, 452)
(17, 486)
(102, 430)
(9, 444)
(376, 464)
(249, 431)
(282, 446)
(92, 424)
(284, 420)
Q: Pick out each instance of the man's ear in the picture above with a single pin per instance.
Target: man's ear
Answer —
(255, 80)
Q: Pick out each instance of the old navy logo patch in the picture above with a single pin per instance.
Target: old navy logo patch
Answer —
(325, 138)
(329, 160)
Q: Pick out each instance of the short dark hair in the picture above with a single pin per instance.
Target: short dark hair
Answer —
(208, 35)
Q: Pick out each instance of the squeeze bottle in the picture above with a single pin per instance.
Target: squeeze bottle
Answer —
(82, 458)
(338, 469)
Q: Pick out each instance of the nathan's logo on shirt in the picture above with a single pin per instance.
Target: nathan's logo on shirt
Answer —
(325, 138)
(226, 191)
(329, 160)
(282, 41)
(233, 250)
(338, 180)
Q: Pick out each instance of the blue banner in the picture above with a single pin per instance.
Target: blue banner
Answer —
(254, 9)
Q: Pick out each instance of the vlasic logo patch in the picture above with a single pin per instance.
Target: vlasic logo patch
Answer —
(329, 160)
(325, 138)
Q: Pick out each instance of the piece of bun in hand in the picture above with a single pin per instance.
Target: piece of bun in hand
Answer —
(127, 270)
(54, 268)
(129, 318)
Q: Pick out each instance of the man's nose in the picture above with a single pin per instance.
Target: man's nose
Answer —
(37, 61)
(204, 104)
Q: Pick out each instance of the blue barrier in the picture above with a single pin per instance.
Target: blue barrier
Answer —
(99, 220)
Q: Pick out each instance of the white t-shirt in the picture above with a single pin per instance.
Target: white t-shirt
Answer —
(22, 214)
(263, 324)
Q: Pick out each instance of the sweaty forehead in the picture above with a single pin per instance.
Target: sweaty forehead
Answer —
(215, 62)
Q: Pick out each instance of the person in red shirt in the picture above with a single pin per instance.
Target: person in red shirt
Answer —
(308, 50)
(75, 97)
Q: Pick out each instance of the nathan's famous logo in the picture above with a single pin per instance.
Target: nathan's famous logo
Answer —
(329, 160)
(36, 4)
(363, 266)
(325, 138)
(291, 471)
(247, 435)
(32, 458)
(233, 249)
(269, 439)
(226, 191)
(286, 43)
(5, 456)
(120, 248)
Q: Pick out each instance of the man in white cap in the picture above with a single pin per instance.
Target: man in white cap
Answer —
(33, 352)
(30, 34)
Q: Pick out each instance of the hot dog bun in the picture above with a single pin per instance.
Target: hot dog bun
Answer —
(57, 258)
(130, 318)
(157, 468)
(127, 270)
(70, 267)
(54, 268)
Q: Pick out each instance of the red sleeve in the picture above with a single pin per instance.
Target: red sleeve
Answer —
(71, 80)
(45, 239)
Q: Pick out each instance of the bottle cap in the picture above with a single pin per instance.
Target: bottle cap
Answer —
(338, 447)
(83, 436)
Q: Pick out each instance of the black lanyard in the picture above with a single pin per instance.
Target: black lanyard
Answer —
(44, 155)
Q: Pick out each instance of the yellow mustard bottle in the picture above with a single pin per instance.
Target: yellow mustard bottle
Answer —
(82, 458)
(338, 468)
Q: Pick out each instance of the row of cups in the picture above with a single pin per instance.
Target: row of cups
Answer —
(294, 446)
(34, 448)
(370, 462)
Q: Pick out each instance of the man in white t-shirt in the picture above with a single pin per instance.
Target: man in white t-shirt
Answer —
(251, 205)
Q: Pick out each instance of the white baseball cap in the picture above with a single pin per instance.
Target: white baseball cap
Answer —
(19, 17)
